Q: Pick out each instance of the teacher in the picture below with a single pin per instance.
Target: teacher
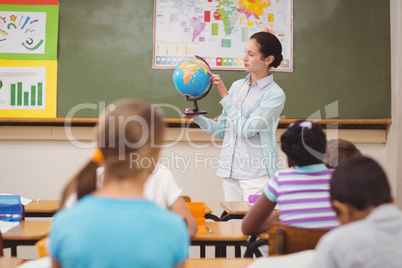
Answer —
(248, 122)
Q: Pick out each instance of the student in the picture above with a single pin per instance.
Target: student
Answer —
(371, 231)
(339, 150)
(302, 191)
(114, 226)
(250, 116)
(160, 188)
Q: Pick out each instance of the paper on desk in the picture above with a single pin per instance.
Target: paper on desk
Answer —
(24, 201)
(44, 262)
(302, 259)
(5, 226)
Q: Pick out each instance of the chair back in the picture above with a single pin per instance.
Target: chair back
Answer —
(285, 239)
(1, 245)
(42, 247)
(198, 211)
(186, 198)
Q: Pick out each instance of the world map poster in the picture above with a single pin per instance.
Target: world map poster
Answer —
(217, 30)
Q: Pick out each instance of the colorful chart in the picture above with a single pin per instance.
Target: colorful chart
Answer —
(28, 58)
(28, 88)
(22, 32)
(218, 30)
(22, 87)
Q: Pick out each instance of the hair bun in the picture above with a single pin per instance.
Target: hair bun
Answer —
(277, 61)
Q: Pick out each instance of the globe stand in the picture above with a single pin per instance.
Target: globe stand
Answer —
(195, 110)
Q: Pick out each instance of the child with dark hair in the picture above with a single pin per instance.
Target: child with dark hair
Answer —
(372, 231)
(339, 150)
(302, 191)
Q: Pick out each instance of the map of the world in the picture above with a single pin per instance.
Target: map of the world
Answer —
(218, 30)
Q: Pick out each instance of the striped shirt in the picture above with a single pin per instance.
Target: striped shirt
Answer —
(302, 195)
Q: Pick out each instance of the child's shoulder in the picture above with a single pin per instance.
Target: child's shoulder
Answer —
(348, 232)
(313, 169)
(303, 172)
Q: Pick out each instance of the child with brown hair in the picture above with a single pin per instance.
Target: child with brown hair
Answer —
(339, 150)
(114, 226)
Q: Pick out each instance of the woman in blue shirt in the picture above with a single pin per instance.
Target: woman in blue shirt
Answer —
(250, 116)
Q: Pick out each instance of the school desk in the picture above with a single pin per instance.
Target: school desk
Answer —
(218, 263)
(25, 233)
(220, 235)
(42, 208)
(11, 262)
(209, 215)
(235, 209)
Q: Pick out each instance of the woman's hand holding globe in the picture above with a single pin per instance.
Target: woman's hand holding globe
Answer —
(223, 92)
(217, 81)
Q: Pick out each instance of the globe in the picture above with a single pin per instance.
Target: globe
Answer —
(191, 78)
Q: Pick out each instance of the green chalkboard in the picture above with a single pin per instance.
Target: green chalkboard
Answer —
(341, 58)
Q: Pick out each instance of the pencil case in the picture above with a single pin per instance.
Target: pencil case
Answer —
(11, 208)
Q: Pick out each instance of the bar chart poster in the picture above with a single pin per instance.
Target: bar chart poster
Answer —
(22, 87)
(28, 91)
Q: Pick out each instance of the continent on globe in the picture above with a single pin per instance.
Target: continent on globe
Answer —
(252, 7)
(191, 78)
(227, 14)
(198, 26)
(190, 68)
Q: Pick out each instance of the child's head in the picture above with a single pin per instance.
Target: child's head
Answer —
(269, 46)
(130, 137)
(339, 150)
(358, 185)
(304, 143)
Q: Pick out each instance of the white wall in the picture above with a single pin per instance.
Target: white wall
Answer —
(39, 169)
(394, 143)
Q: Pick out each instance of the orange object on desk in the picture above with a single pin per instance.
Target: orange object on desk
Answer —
(198, 211)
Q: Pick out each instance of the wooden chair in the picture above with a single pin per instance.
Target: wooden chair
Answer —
(209, 216)
(288, 239)
(1, 245)
(186, 198)
(42, 247)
